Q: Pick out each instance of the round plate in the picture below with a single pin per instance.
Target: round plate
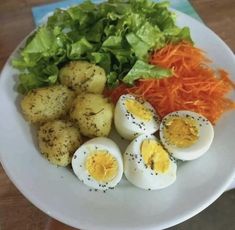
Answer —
(59, 193)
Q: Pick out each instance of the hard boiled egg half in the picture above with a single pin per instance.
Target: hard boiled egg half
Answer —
(186, 134)
(134, 116)
(147, 164)
(98, 163)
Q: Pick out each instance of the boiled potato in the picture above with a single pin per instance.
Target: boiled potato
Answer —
(58, 140)
(93, 114)
(83, 76)
(44, 104)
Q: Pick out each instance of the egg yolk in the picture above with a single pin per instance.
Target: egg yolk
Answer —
(181, 132)
(102, 166)
(138, 110)
(155, 156)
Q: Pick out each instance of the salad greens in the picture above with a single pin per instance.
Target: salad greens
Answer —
(116, 35)
(146, 71)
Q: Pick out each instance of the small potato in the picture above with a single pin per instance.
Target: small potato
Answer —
(83, 77)
(58, 140)
(93, 114)
(45, 104)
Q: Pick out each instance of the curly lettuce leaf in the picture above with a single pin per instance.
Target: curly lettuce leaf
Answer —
(117, 35)
(79, 49)
(144, 70)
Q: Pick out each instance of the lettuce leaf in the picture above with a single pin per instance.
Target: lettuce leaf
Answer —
(144, 70)
(117, 35)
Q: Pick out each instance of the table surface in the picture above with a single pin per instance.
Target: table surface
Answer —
(16, 22)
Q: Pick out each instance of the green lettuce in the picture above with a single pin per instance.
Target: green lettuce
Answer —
(116, 35)
(146, 71)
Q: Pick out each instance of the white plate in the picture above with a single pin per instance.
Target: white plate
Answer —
(58, 192)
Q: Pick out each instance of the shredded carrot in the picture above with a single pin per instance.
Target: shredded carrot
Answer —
(194, 86)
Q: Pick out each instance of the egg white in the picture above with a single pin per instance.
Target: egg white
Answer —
(80, 156)
(200, 147)
(141, 176)
(129, 126)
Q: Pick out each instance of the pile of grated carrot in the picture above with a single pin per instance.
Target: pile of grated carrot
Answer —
(194, 85)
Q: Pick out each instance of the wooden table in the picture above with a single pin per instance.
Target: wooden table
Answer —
(16, 22)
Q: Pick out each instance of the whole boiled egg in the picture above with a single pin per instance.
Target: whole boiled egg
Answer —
(134, 116)
(98, 163)
(186, 135)
(148, 165)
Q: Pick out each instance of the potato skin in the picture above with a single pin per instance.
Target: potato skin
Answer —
(83, 77)
(48, 103)
(93, 114)
(58, 140)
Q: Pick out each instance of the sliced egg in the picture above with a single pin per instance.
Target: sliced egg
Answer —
(98, 163)
(134, 116)
(147, 164)
(186, 135)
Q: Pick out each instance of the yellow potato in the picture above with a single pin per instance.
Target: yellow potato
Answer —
(83, 76)
(93, 114)
(48, 103)
(58, 140)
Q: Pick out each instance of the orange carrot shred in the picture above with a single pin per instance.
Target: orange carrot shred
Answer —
(194, 86)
